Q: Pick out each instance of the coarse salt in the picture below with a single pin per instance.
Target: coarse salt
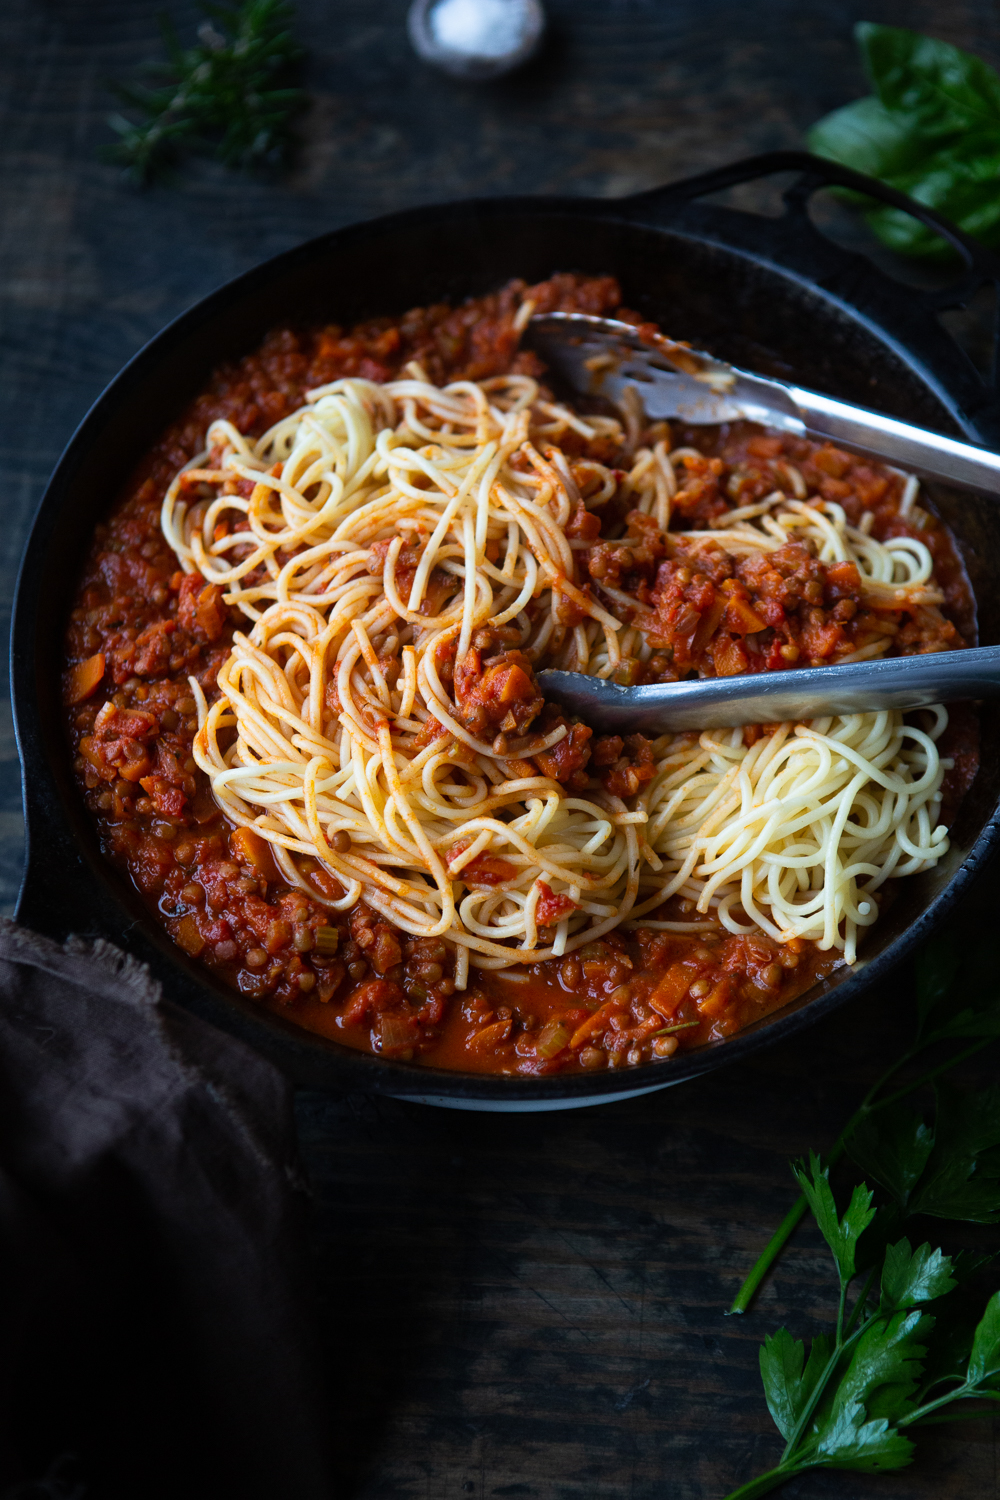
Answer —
(480, 28)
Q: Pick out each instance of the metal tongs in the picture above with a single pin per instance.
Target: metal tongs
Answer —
(772, 697)
(604, 357)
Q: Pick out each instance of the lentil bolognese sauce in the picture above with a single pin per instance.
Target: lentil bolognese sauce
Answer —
(301, 694)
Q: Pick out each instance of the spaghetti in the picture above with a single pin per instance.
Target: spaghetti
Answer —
(406, 556)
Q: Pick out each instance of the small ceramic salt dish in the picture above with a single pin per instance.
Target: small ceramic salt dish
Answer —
(476, 39)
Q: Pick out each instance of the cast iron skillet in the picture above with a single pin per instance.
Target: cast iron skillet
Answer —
(768, 293)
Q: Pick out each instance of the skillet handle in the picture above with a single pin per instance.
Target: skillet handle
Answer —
(980, 267)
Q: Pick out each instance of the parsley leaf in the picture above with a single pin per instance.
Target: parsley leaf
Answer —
(852, 1443)
(926, 1344)
(913, 1276)
(885, 1366)
(950, 1169)
(788, 1378)
(936, 974)
(931, 129)
(984, 1360)
(893, 1148)
(841, 1234)
(962, 1177)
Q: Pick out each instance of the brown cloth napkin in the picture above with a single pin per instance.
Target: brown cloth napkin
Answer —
(156, 1337)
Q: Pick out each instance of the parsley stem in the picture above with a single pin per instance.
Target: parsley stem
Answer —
(923, 1411)
(962, 1392)
(926, 1077)
(862, 1299)
(841, 1345)
(773, 1249)
(978, 1415)
(840, 1314)
(783, 1233)
(765, 1483)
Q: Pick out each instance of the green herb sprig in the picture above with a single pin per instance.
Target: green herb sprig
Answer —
(879, 1126)
(227, 96)
(931, 128)
(916, 1344)
(896, 1361)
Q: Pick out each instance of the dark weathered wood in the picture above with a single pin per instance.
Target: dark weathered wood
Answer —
(535, 1306)
(525, 1306)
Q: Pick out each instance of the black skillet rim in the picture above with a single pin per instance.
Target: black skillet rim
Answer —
(55, 835)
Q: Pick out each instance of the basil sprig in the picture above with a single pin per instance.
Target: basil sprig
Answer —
(930, 128)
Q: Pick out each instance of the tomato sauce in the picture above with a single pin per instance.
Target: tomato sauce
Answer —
(140, 628)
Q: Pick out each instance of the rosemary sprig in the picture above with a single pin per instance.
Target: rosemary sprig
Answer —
(229, 96)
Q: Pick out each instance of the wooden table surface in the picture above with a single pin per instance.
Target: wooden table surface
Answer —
(528, 1305)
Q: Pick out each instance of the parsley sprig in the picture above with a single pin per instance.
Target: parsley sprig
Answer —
(895, 1361)
(878, 1120)
(915, 1342)
(229, 95)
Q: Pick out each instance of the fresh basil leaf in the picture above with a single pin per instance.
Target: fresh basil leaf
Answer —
(960, 186)
(984, 1361)
(870, 138)
(787, 1385)
(962, 1176)
(947, 89)
(851, 1442)
(913, 1276)
(841, 1234)
(931, 130)
(892, 1146)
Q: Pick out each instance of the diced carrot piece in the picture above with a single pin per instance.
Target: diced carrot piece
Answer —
(741, 618)
(138, 764)
(250, 849)
(515, 685)
(489, 1037)
(730, 657)
(765, 447)
(844, 577)
(672, 988)
(718, 1002)
(833, 461)
(85, 678)
(90, 748)
(594, 1023)
(186, 934)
